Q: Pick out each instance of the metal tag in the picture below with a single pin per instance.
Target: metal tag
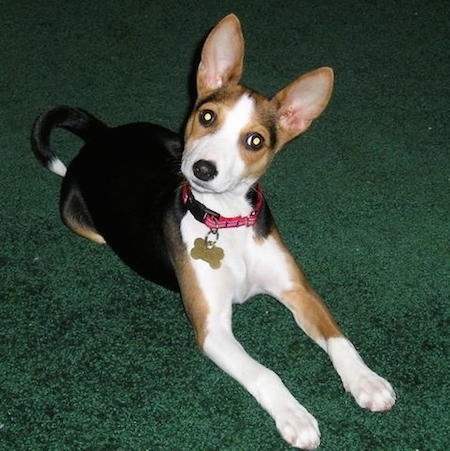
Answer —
(205, 249)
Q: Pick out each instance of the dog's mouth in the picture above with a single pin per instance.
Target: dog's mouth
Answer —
(212, 187)
(204, 176)
(203, 187)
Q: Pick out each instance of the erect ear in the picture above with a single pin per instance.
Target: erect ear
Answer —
(222, 56)
(302, 101)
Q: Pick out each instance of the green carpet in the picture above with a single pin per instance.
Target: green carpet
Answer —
(93, 357)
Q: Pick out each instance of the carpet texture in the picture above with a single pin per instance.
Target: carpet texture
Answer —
(93, 357)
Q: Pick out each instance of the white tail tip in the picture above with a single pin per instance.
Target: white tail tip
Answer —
(58, 167)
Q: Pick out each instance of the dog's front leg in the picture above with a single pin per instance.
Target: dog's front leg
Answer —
(292, 289)
(295, 424)
(209, 307)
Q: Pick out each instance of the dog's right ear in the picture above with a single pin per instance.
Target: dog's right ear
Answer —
(222, 56)
(302, 101)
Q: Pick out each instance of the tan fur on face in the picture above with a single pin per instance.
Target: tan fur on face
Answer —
(221, 103)
(263, 123)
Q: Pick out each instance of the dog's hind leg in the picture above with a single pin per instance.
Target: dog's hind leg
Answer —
(76, 216)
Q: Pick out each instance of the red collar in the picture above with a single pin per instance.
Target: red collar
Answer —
(214, 220)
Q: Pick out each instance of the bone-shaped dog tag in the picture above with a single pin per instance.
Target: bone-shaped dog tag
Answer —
(207, 251)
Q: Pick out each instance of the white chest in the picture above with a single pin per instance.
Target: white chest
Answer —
(238, 277)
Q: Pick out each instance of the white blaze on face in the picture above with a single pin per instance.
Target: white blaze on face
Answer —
(222, 148)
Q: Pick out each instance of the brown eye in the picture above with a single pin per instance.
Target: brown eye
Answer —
(254, 141)
(207, 118)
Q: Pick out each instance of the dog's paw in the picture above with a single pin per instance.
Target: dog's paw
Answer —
(371, 391)
(298, 427)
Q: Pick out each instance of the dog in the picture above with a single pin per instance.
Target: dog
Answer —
(190, 215)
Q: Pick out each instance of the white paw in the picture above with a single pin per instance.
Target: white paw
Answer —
(298, 427)
(371, 391)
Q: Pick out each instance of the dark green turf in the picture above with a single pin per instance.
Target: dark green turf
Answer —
(92, 357)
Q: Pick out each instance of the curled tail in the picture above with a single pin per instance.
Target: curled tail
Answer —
(76, 120)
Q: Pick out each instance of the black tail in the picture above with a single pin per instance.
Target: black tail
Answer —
(76, 120)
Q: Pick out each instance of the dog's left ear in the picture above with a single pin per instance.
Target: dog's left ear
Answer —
(302, 101)
(222, 56)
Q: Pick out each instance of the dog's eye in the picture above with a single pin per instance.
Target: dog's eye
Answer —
(254, 141)
(207, 118)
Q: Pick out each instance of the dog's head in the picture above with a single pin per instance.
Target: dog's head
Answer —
(233, 133)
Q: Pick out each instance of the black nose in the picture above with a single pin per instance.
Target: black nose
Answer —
(204, 170)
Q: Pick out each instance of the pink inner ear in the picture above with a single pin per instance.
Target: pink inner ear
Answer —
(209, 76)
(219, 65)
(303, 100)
(294, 121)
(215, 83)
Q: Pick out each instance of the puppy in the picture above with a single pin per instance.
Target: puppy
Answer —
(192, 217)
